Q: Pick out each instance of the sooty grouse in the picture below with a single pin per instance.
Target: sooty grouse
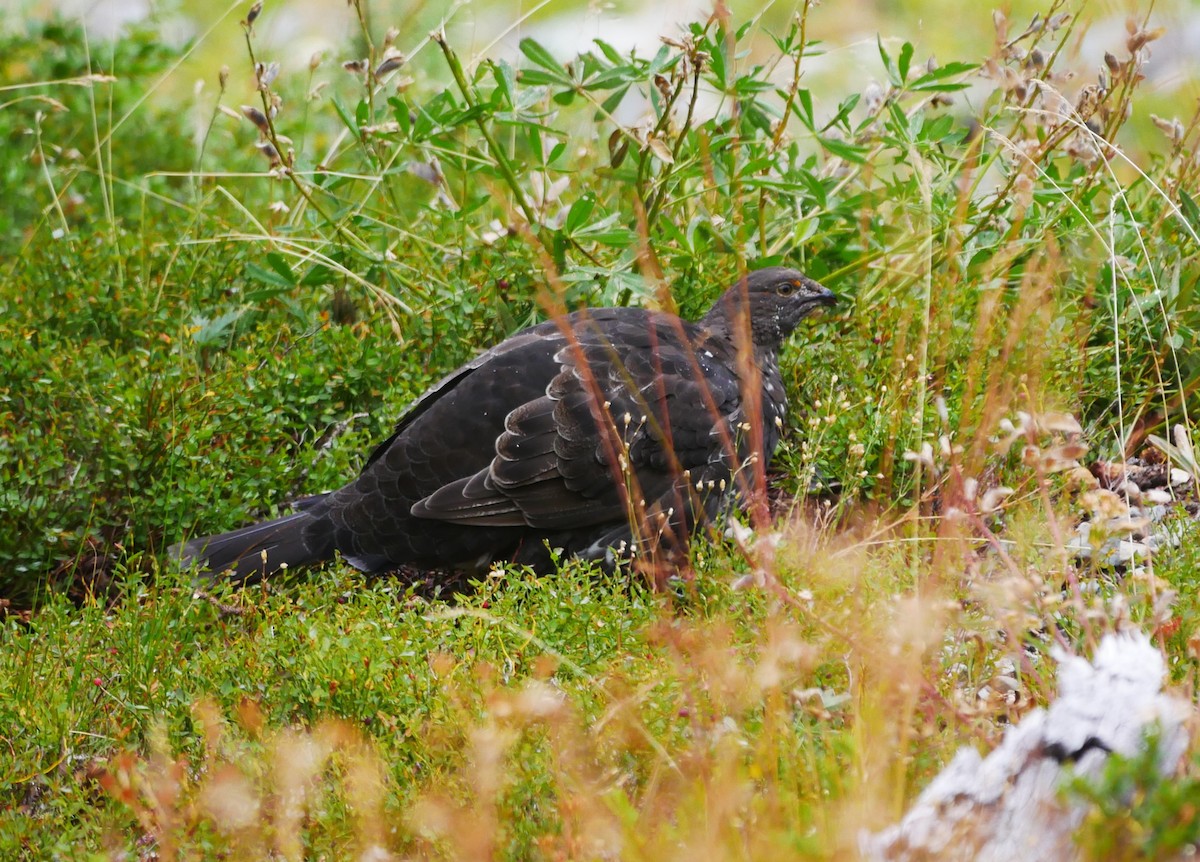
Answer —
(608, 433)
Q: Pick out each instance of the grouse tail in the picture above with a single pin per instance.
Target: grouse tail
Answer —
(248, 554)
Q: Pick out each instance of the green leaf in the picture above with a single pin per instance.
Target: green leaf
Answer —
(279, 263)
(906, 54)
(804, 99)
(849, 152)
(578, 214)
(843, 112)
(619, 237)
(935, 81)
(538, 78)
(612, 54)
(892, 72)
(748, 86)
(254, 272)
(610, 104)
(506, 80)
(1190, 211)
(716, 62)
(318, 275)
(403, 115)
(266, 293)
(344, 115)
(539, 56)
(619, 76)
(661, 61)
(210, 333)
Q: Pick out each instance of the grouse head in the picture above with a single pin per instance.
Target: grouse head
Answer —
(775, 299)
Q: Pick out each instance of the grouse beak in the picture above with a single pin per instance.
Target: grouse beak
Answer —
(825, 296)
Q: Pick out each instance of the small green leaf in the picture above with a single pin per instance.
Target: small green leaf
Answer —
(278, 263)
(538, 78)
(849, 152)
(611, 54)
(506, 80)
(344, 115)
(254, 272)
(403, 115)
(210, 333)
(318, 275)
(578, 214)
(539, 56)
(662, 60)
(619, 237)
(906, 54)
(890, 66)
(717, 64)
(1191, 212)
(266, 293)
(935, 81)
(610, 104)
(804, 98)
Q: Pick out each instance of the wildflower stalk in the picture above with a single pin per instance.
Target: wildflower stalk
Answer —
(285, 163)
(502, 162)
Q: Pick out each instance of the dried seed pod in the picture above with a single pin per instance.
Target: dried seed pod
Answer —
(427, 171)
(268, 150)
(266, 73)
(1139, 38)
(1114, 65)
(389, 38)
(223, 77)
(254, 12)
(1173, 129)
(392, 60)
(315, 60)
(355, 67)
(664, 87)
(872, 98)
(660, 150)
(618, 148)
(257, 117)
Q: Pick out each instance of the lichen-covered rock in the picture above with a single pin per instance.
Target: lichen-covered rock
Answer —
(1006, 806)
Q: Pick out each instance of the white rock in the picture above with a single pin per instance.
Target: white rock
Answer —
(1006, 806)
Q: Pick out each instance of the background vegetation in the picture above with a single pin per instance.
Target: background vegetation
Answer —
(216, 302)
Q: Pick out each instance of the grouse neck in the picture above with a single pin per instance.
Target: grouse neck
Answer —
(720, 335)
(717, 324)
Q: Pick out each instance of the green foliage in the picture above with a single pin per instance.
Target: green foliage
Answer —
(1137, 812)
(72, 158)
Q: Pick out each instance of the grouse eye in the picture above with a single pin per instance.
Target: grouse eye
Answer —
(788, 288)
